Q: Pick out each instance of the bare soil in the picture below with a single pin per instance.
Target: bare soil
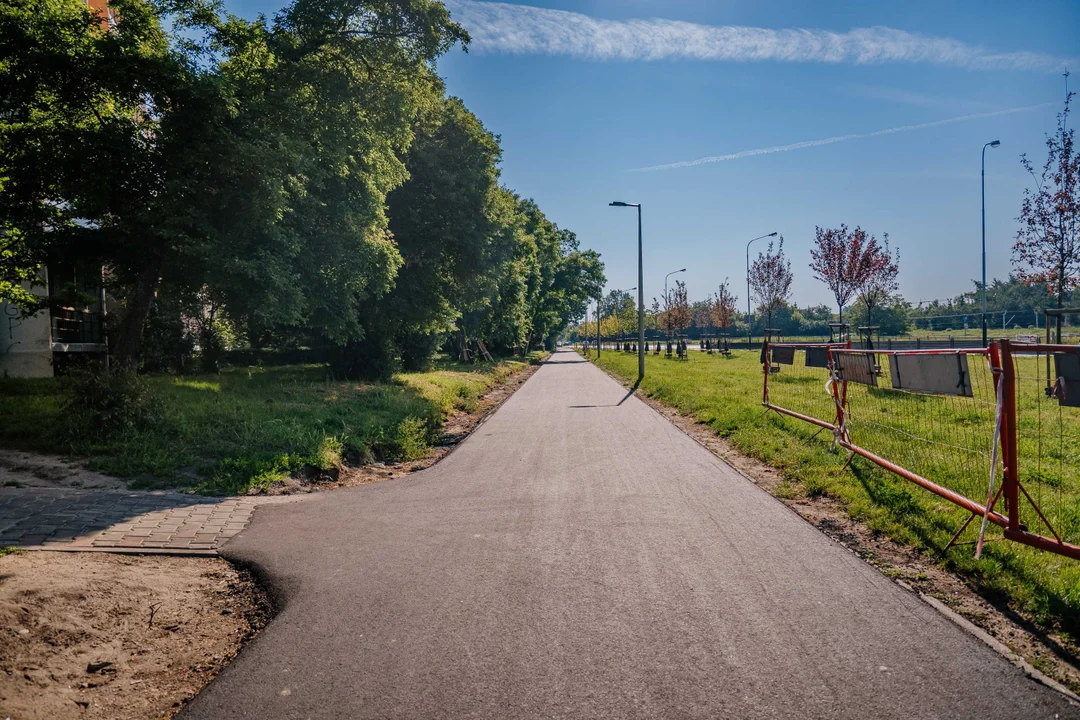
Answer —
(1051, 654)
(94, 635)
(118, 637)
(456, 428)
(24, 469)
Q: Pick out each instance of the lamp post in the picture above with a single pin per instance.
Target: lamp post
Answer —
(641, 292)
(598, 327)
(666, 299)
(993, 144)
(749, 323)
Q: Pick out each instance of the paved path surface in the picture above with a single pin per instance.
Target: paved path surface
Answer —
(69, 519)
(580, 557)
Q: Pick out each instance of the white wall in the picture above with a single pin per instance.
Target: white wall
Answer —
(25, 342)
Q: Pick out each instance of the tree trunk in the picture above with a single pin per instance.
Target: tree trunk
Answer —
(1061, 298)
(129, 338)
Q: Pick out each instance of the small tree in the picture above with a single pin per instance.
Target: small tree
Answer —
(844, 260)
(723, 306)
(770, 280)
(880, 282)
(654, 317)
(702, 312)
(1047, 249)
(627, 314)
(679, 316)
(666, 317)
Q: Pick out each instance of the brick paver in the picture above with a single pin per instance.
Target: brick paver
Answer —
(72, 519)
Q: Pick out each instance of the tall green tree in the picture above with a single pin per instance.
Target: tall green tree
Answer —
(561, 280)
(446, 227)
(256, 160)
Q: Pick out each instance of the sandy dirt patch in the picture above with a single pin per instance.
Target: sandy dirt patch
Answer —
(77, 640)
(24, 469)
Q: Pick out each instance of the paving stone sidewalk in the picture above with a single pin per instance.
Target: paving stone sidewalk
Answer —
(71, 519)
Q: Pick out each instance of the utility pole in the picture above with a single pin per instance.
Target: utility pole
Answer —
(641, 291)
(993, 144)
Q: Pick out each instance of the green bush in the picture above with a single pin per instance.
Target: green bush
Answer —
(369, 359)
(418, 350)
(410, 439)
(167, 344)
(99, 404)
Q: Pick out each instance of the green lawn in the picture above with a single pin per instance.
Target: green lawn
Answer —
(725, 393)
(245, 427)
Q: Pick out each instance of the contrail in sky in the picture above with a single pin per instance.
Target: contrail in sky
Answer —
(839, 138)
(507, 28)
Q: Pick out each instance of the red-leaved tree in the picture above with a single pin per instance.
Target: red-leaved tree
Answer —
(679, 314)
(676, 315)
(845, 260)
(723, 306)
(770, 280)
(1047, 249)
(881, 281)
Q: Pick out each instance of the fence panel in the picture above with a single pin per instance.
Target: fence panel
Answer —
(1047, 440)
(797, 379)
(993, 430)
(928, 416)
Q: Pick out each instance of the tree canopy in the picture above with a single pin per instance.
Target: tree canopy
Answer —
(307, 171)
(770, 280)
(1047, 249)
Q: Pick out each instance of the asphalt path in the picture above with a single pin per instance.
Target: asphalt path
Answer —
(579, 557)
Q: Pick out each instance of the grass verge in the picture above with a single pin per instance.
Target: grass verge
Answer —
(249, 427)
(725, 394)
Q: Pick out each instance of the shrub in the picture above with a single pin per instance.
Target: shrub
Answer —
(167, 346)
(410, 439)
(367, 359)
(418, 350)
(98, 404)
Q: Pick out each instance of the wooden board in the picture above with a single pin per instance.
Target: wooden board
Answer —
(817, 357)
(785, 355)
(1067, 367)
(935, 374)
(856, 367)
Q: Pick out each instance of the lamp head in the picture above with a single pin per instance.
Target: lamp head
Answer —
(772, 234)
(683, 270)
(617, 204)
(996, 143)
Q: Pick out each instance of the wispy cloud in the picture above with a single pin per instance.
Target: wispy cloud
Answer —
(950, 103)
(525, 30)
(840, 138)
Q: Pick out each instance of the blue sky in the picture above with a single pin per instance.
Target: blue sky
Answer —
(581, 100)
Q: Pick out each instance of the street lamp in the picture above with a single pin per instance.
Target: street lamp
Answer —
(749, 324)
(673, 272)
(993, 144)
(598, 337)
(667, 300)
(641, 292)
